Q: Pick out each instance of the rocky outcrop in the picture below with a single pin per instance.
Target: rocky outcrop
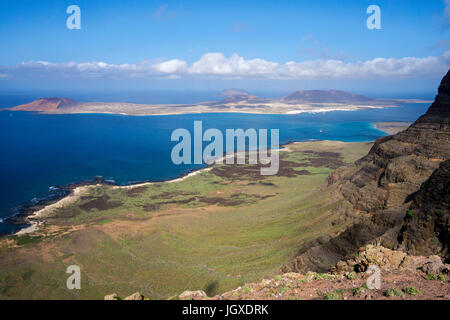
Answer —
(390, 260)
(112, 296)
(381, 186)
(401, 276)
(134, 296)
(193, 295)
(322, 256)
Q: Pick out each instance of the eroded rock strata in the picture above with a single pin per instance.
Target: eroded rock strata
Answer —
(400, 190)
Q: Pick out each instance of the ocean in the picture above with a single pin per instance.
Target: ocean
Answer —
(40, 152)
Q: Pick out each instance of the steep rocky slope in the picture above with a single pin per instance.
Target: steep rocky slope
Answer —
(383, 187)
(426, 229)
(397, 165)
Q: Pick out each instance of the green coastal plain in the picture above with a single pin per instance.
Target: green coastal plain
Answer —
(213, 231)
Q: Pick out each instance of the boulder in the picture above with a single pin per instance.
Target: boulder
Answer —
(382, 257)
(113, 296)
(193, 295)
(135, 296)
(435, 266)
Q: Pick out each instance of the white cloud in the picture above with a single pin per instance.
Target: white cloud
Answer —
(378, 67)
(84, 69)
(172, 66)
(219, 66)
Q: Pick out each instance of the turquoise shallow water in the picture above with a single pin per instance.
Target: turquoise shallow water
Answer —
(41, 151)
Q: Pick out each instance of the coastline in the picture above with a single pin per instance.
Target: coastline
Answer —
(32, 216)
(235, 111)
(249, 110)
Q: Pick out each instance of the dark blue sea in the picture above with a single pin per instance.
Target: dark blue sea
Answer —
(40, 151)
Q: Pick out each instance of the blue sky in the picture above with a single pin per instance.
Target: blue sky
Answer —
(214, 44)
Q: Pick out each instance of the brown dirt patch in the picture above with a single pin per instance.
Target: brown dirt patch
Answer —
(170, 195)
(100, 203)
(287, 168)
(253, 172)
(156, 206)
(233, 200)
(327, 159)
(134, 192)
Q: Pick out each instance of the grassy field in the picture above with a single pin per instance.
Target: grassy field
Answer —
(213, 231)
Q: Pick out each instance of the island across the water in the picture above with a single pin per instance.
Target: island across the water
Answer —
(237, 101)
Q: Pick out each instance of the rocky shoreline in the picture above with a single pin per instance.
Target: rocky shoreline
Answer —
(29, 215)
(56, 194)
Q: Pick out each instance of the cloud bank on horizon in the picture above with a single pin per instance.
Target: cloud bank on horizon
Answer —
(217, 65)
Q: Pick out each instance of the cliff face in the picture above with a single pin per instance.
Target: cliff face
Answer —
(426, 227)
(397, 165)
(383, 184)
